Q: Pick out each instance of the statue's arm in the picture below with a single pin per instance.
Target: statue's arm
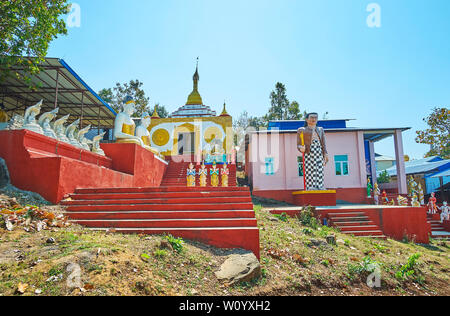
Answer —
(299, 141)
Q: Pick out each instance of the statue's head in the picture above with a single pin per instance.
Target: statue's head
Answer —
(311, 119)
(444, 203)
(129, 105)
(146, 119)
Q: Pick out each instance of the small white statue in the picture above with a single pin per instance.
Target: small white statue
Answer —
(84, 143)
(70, 131)
(415, 201)
(15, 123)
(60, 130)
(96, 144)
(44, 122)
(143, 133)
(29, 121)
(445, 212)
(124, 127)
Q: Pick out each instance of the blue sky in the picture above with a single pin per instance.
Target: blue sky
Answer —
(323, 51)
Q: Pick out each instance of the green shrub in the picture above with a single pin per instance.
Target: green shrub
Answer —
(283, 217)
(177, 243)
(307, 218)
(409, 269)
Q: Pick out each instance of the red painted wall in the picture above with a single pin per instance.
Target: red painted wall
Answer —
(36, 163)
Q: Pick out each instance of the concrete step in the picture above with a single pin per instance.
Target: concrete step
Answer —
(161, 207)
(138, 215)
(151, 195)
(369, 233)
(347, 214)
(355, 223)
(167, 223)
(359, 228)
(201, 200)
(162, 189)
(348, 219)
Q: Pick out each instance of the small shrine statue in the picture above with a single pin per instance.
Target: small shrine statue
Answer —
(15, 123)
(369, 187)
(392, 202)
(203, 175)
(191, 173)
(445, 212)
(432, 208)
(217, 147)
(124, 127)
(96, 144)
(214, 172)
(402, 201)
(44, 122)
(60, 130)
(376, 194)
(384, 198)
(412, 186)
(421, 195)
(29, 120)
(415, 201)
(70, 131)
(84, 143)
(143, 133)
(225, 172)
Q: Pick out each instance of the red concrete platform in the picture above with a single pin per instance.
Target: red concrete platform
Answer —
(222, 217)
(315, 198)
(374, 221)
(54, 169)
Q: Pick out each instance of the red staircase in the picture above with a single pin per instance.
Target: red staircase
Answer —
(222, 217)
(175, 175)
(354, 222)
(437, 230)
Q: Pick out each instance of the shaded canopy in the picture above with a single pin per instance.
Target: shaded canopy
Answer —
(58, 86)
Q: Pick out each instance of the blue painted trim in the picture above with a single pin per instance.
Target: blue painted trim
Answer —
(63, 63)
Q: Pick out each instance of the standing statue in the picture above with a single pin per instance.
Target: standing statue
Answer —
(29, 120)
(445, 212)
(84, 143)
(190, 177)
(421, 195)
(60, 130)
(225, 172)
(432, 208)
(384, 198)
(70, 131)
(412, 186)
(376, 194)
(96, 144)
(203, 174)
(124, 127)
(214, 172)
(311, 143)
(369, 187)
(44, 122)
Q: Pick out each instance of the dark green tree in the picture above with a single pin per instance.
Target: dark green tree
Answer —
(116, 96)
(438, 133)
(280, 106)
(26, 29)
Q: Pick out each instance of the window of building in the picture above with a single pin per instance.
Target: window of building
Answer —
(341, 163)
(269, 167)
(300, 166)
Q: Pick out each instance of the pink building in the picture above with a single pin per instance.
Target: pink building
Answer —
(274, 165)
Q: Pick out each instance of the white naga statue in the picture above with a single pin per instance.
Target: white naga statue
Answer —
(96, 144)
(83, 141)
(124, 127)
(143, 133)
(44, 122)
(70, 131)
(60, 130)
(29, 120)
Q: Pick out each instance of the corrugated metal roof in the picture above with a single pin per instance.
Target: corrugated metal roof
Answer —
(419, 166)
(445, 173)
(75, 97)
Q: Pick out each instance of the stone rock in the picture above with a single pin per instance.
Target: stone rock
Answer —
(318, 244)
(331, 240)
(239, 268)
(51, 240)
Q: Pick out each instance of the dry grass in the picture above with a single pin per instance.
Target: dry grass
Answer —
(115, 264)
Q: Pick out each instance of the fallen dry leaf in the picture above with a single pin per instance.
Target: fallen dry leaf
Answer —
(22, 287)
